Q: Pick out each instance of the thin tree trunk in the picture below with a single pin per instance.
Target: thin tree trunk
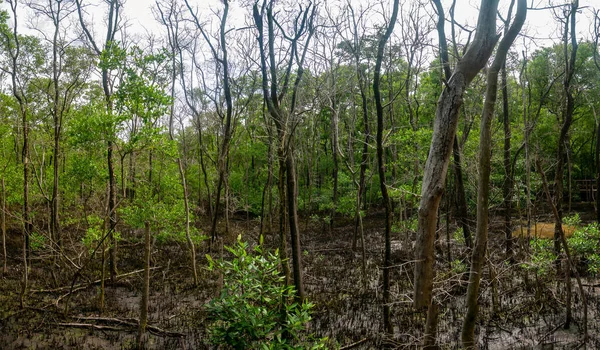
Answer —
(3, 225)
(292, 203)
(461, 198)
(571, 266)
(485, 153)
(387, 321)
(508, 174)
(146, 290)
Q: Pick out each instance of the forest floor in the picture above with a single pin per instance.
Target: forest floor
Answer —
(529, 311)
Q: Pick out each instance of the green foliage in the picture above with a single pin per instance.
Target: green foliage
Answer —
(255, 309)
(542, 256)
(585, 244)
(37, 241)
(95, 232)
(573, 220)
(459, 235)
(458, 267)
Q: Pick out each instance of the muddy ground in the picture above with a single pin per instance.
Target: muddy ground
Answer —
(529, 312)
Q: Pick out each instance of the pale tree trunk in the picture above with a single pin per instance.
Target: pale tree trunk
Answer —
(387, 321)
(485, 153)
(444, 130)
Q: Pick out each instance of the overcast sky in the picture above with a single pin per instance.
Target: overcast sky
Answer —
(540, 24)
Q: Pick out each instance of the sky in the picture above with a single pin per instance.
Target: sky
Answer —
(540, 26)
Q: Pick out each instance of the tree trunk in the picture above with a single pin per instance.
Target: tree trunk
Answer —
(292, 203)
(3, 226)
(146, 290)
(461, 198)
(444, 130)
(387, 322)
(485, 153)
(508, 174)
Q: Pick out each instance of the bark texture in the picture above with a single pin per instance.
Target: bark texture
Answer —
(444, 129)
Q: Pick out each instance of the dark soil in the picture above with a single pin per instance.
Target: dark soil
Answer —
(529, 314)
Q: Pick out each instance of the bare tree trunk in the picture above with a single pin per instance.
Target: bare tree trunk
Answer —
(461, 198)
(222, 60)
(146, 291)
(14, 48)
(292, 198)
(570, 266)
(508, 174)
(485, 153)
(563, 140)
(387, 321)
(3, 226)
(444, 130)
(267, 189)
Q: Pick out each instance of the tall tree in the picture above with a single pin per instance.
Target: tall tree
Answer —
(12, 42)
(444, 130)
(105, 53)
(381, 168)
(485, 154)
(285, 118)
(223, 62)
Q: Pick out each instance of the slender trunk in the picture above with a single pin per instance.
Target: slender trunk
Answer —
(461, 198)
(146, 290)
(283, 255)
(112, 212)
(266, 189)
(3, 226)
(485, 153)
(508, 174)
(571, 266)
(597, 157)
(335, 152)
(387, 321)
(292, 203)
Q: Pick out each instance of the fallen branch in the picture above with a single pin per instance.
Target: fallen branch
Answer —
(87, 285)
(93, 326)
(133, 323)
(353, 345)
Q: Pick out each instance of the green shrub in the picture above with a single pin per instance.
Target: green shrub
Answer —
(585, 244)
(542, 256)
(255, 309)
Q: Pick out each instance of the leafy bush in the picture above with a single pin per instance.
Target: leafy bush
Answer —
(255, 309)
(585, 244)
(542, 256)
(573, 220)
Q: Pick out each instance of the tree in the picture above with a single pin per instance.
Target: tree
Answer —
(283, 119)
(381, 169)
(444, 129)
(107, 64)
(485, 149)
